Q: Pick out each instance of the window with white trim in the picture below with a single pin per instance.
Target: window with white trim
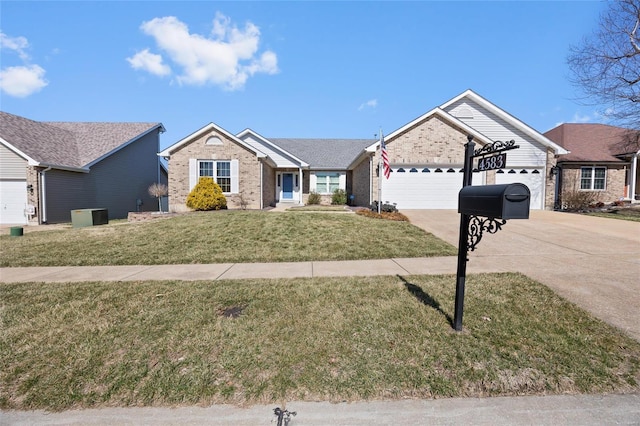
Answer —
(220, 171)
(326, 183)
(593, 178)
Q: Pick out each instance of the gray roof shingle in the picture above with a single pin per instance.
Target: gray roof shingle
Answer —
(324, 153)
(67, 144)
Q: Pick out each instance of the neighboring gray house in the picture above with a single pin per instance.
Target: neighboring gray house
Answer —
(426, 158)
(48, 169)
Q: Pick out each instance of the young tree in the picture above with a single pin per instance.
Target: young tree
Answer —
(158, 190)
(606, 66)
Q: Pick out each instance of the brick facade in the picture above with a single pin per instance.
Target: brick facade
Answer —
(248, 171)
(432, 141)
(614, 186)
(361, 177)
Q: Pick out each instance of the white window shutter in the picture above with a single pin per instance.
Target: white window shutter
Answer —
(235, 184)
(193, 173)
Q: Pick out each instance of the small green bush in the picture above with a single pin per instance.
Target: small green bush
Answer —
(314, 198)
(339, 197)
(206, 195)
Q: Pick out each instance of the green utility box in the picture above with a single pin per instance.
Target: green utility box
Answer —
(16, 231)
(89, 217)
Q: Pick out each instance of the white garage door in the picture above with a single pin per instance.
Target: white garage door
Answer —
(13, 201)
(425, 187)
(533, 178)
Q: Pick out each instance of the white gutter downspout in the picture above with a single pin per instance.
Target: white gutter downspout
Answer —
(300, 185)
(370, 180)
(634, 177)
(43, 196)
(261, 184)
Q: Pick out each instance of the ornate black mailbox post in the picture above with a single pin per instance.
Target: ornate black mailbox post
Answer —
(484, 208)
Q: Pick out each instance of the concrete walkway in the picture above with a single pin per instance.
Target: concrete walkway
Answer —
(593, 262)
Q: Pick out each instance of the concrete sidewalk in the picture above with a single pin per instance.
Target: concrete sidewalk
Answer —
(224, 271)
(529, 410)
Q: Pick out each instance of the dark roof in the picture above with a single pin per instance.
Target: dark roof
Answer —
(68, 144)
(594, 142)
(324, 153)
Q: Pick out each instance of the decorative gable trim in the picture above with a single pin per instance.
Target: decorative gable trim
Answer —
(36, 163)
(12, 148)
(477, 136)
(534, 134)
(211, 126)
(261, 139)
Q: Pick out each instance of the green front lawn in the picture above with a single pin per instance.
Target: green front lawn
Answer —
(169, 343)
(224, 237)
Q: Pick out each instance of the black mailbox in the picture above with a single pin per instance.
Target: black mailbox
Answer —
(507, 201)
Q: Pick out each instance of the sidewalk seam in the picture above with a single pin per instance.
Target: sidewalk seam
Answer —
(219, 277)
(400, 266)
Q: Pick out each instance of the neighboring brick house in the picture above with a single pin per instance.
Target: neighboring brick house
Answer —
(426, 157)
(48, 169)
(602, 163)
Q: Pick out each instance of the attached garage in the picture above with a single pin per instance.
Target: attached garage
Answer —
(533, 178)
(13, 202)
(425, 187)
(439, 137)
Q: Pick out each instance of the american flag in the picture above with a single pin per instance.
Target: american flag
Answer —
(385, 158)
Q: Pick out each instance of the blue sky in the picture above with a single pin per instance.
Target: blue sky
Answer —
(288, 69)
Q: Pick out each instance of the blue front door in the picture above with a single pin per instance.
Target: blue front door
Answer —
(287, 186)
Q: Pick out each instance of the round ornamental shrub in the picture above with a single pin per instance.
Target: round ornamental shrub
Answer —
(339, 196)
(314, 198)
(206, 195)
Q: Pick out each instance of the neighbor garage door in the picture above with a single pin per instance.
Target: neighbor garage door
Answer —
(533, 178)
(424, 187)
(13, 201)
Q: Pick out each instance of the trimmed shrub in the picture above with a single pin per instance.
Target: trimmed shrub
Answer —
(339, 197)
(206, 195)
(314, 198)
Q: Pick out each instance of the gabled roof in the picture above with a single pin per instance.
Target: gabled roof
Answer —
(326, 154)
(211, 126)
(68, 145)
(534, 134)
(280, 157)
(479, 137)
(594, 142)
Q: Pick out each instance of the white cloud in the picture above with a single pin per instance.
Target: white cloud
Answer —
(22, 81)
(17, 44)
(228, 57)
(369, 104)
(579, 118)
(149, 62)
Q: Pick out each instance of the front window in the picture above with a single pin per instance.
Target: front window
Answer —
(326, 183)
(593, 178)
(223, 175)
(220, 171)
(206, 169)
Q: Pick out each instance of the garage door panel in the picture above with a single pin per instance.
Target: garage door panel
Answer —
(13, 201)
(424, 190)
(533, 178)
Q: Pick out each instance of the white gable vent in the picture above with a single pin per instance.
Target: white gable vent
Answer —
(463, 112)
(213, 140)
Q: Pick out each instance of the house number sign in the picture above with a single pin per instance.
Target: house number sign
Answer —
(498, 161)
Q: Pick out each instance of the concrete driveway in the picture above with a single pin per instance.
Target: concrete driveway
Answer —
(591, 261)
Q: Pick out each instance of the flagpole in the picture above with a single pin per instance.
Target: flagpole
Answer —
(380, 173)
